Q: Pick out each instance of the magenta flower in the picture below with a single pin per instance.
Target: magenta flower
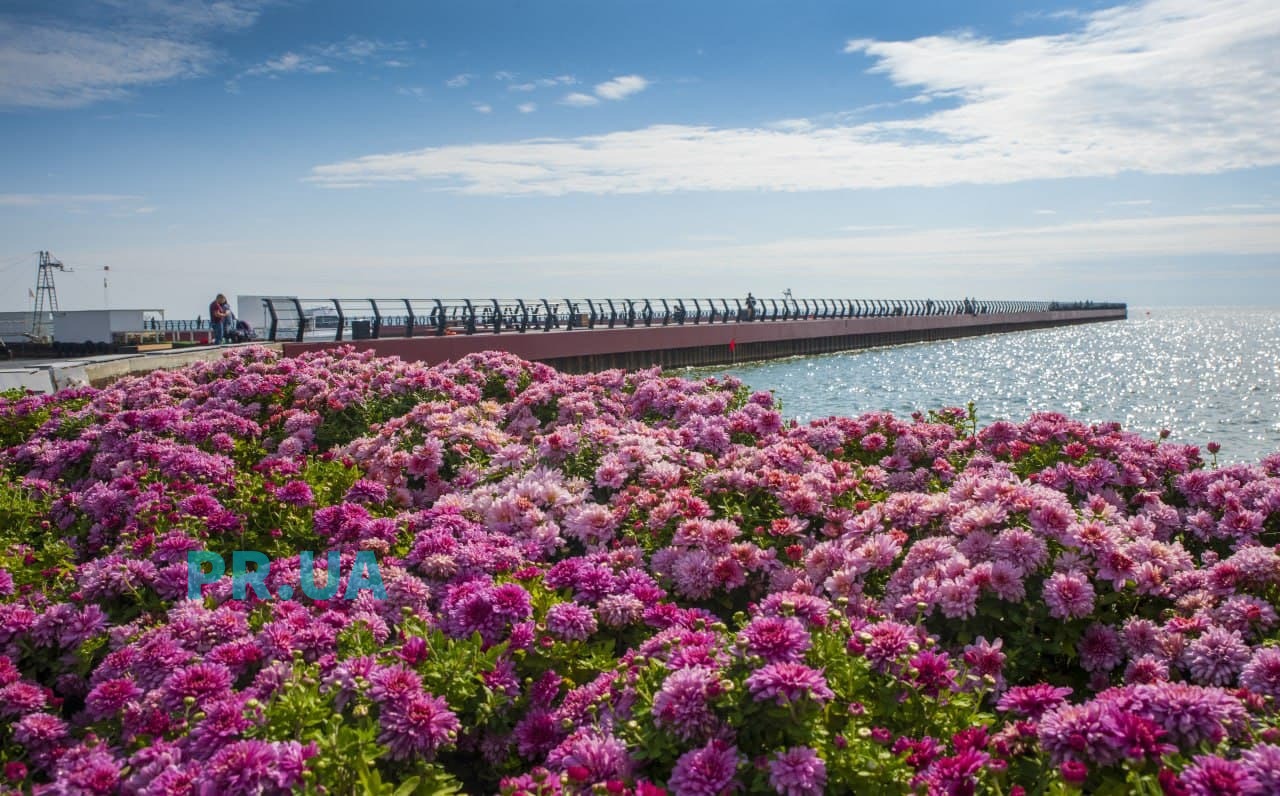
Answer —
(1069, 595)
(571, 622)
(684, 703)
(707, 771)
(776, 639)
(798, 772)
(786, 683)
(417, 727)
(1034, 700)
(1209, 775)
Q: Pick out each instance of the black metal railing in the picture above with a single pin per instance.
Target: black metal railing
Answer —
(358, 319)
(161, 325)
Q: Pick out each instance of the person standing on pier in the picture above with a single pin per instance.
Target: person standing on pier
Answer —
(219, 314)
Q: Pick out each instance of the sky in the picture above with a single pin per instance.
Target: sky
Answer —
(576, 148)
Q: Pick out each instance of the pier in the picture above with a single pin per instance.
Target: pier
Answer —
(588, 335)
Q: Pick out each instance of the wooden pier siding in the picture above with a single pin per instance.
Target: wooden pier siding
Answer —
(587, 350)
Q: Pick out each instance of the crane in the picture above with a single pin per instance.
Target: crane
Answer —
(46, 297)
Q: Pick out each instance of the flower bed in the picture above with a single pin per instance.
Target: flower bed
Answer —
(621, 583)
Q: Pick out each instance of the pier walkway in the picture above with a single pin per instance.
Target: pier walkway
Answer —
(588, 335)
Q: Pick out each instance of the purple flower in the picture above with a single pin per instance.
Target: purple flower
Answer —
(1261, 674)
(537, 733)
(571, 621)
(1099, 649)
(777, 639)
(708, 771)
(107, 698)
(1190, 714)
(1209, 775)
(20, 698)
(1262, 763)
(986, 659)
(886, 642)
(41, 735)
(1069, 595)
(417, 727)
(248, 768)
(366, 491)
(1137, 737)
(87, 770)
(199, 682)
(786, 683)
(1078, 732)
(932, 672)
(798, 772)
(1217, 656)
(295, 493)
(394, 683)
(600, 753)
(683, 704)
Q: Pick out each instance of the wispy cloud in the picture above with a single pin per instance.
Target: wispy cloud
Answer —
(544, 82)
(322, 58)
(579, 100)
(459, 81)
(1130, 203)
(287, 63)
(503, 75)
(1158, 87)
(527, 107)
(876, 228)
(482, 107)
(621, 87)
(97, 52)
(69, 201)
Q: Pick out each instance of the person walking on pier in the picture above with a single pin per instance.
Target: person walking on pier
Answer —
(219, 316)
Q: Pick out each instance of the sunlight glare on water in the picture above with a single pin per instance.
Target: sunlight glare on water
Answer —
(1204, 374)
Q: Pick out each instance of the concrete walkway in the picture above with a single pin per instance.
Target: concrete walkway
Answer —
(50, 375)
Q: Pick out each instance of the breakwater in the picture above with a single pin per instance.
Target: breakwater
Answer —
(676, 336)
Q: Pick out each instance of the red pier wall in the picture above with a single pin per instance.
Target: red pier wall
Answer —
(584, 350)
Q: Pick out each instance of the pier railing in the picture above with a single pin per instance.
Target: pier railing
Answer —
(300, 319)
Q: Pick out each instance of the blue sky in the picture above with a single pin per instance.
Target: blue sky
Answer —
(1005, 149)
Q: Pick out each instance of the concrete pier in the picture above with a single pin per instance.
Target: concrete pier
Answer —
(586, 350)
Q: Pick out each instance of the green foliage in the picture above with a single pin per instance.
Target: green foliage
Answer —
(349, 757)
(356, 419)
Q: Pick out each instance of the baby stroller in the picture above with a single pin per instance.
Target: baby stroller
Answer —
(241, 332)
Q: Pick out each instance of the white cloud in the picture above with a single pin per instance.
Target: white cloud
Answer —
(287, 63)
(527, 107)
(946, 249)
(1159, 87)
(579, 100)
(621, 87)
(1131, 203)
(503, 75)
(86, 56)
(418, 92)
(322, 59)
(481, 107)
(1045, 212)
(55, 67)
(459, 81)
(544, 82)
(65, 200)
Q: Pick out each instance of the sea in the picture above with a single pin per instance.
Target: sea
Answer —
(1203, 374)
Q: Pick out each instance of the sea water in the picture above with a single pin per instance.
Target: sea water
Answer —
(1204, 374)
